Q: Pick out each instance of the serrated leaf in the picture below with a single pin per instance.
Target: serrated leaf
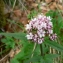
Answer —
(14, 61)
(51, 56)
(33, 60)
(8, 41)
(20, 36)
(54, 45)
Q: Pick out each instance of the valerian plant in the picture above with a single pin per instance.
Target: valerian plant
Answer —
(44, 32)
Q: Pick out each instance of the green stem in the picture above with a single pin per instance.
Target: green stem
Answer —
(41, 49)
(33, 49)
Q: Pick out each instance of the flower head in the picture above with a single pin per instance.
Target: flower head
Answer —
(40, 27)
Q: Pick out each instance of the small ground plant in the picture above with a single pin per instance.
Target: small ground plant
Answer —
(44, 44)
(43, 41)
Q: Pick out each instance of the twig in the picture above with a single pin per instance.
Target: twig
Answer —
(14, 4)
(4, 58)
(10, 3)
(23, 6)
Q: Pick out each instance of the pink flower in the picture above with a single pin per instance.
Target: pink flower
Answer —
(29, 36)
(40, 27)
(41, 34)
(40, 40)
(49, 18)
(50, 31)
(28, 27)
(53, 37)
(35, 37)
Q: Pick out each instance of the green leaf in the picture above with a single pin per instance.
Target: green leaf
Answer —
(9, 42)
(33, 60)
(57, 20)
(32, 14)
(26, 52)
(20, 36)
(14, 61)
(42, 60)
(48, 58)
(54, 45)
(51, 56)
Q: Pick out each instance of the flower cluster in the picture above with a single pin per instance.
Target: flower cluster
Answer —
(40, 27)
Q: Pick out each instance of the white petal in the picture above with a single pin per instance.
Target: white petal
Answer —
(28, 37)
(28, 27)
(50, 31)
(40, 41)
(49, 18)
